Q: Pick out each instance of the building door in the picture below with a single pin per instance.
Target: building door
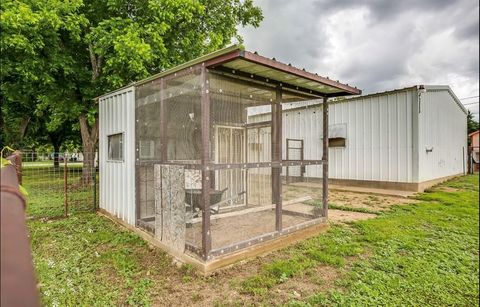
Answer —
(230, 148)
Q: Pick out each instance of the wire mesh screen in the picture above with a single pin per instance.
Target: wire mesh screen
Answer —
(245, 209)
(294, 152)
(170, 126)
(168, 131)
(59, 184)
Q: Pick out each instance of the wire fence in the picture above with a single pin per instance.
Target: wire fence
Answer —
(59, 184)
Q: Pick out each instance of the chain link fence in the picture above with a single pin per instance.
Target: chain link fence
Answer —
(59, 183)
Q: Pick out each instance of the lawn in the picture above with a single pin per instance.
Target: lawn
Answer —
(46, 187)
(424, 253)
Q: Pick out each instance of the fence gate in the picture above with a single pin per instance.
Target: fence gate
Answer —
(294, 152)
(59, 184)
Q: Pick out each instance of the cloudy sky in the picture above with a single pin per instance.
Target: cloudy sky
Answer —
(375, 45)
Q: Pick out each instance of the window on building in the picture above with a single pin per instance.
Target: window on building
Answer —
(337, 135)
(115, 147)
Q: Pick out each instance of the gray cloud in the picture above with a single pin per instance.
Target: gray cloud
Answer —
(375, 44)
(385, 10)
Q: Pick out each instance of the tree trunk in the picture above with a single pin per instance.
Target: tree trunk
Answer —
(56, 150)
(89, 144)
(23, 127)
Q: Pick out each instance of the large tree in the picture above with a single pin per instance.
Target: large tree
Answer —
(76, 50)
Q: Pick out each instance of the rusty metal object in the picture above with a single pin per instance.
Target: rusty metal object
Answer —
(18, 282)
(16, 159)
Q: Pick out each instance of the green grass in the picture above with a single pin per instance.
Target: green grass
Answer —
(352, 209)
(418, 254)
(87, 260)
(421, 254)
(45, 185)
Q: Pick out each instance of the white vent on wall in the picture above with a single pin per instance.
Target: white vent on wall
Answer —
(337, 131)
(147, 149)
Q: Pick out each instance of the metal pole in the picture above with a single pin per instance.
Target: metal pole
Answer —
(287, 144)
(94, 187)
(325, 159)
(277, 157)
(205, 156)
(65, 185)
(163, 123)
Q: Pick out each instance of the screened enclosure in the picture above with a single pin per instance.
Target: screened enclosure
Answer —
(210, 177)
(210, 181)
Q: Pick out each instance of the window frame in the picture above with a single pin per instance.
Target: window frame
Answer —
(122, 149)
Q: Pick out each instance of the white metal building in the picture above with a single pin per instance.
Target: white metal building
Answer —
(117, 173)
(407, 139)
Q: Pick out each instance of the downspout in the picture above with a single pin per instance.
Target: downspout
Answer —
(416, 110)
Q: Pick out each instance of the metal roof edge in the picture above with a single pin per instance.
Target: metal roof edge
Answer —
(195, 61)
(413, 87)
(376, 94)
(172, 70)
(450, 91)
(121, 89)
(302, 73)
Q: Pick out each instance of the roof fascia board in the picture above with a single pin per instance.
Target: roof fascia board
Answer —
(255, 58)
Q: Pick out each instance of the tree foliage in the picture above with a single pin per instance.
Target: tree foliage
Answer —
(472, 124)
(58, 55)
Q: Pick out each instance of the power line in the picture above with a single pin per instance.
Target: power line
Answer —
(469, 97)
(466, 104)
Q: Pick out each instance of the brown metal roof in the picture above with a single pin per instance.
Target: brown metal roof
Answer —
(238, 63)
(251, 65)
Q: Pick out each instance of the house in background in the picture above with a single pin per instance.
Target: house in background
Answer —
(404, 139)
(474, 151)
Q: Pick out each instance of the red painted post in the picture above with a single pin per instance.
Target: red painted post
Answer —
(18, 282)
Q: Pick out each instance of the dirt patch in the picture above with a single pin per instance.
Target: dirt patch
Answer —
(367, 201)
(175, 285)
(340, 216)
(348, 199)
(322, 278)
(231, 230)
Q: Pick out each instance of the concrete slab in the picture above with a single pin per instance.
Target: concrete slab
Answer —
(375, 191)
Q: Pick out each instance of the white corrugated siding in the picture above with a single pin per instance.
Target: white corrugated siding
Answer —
(443, 127)
(382, 136)
(117, 179)
(379, 137)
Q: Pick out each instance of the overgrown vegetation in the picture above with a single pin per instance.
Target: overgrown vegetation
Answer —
(417, 254)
